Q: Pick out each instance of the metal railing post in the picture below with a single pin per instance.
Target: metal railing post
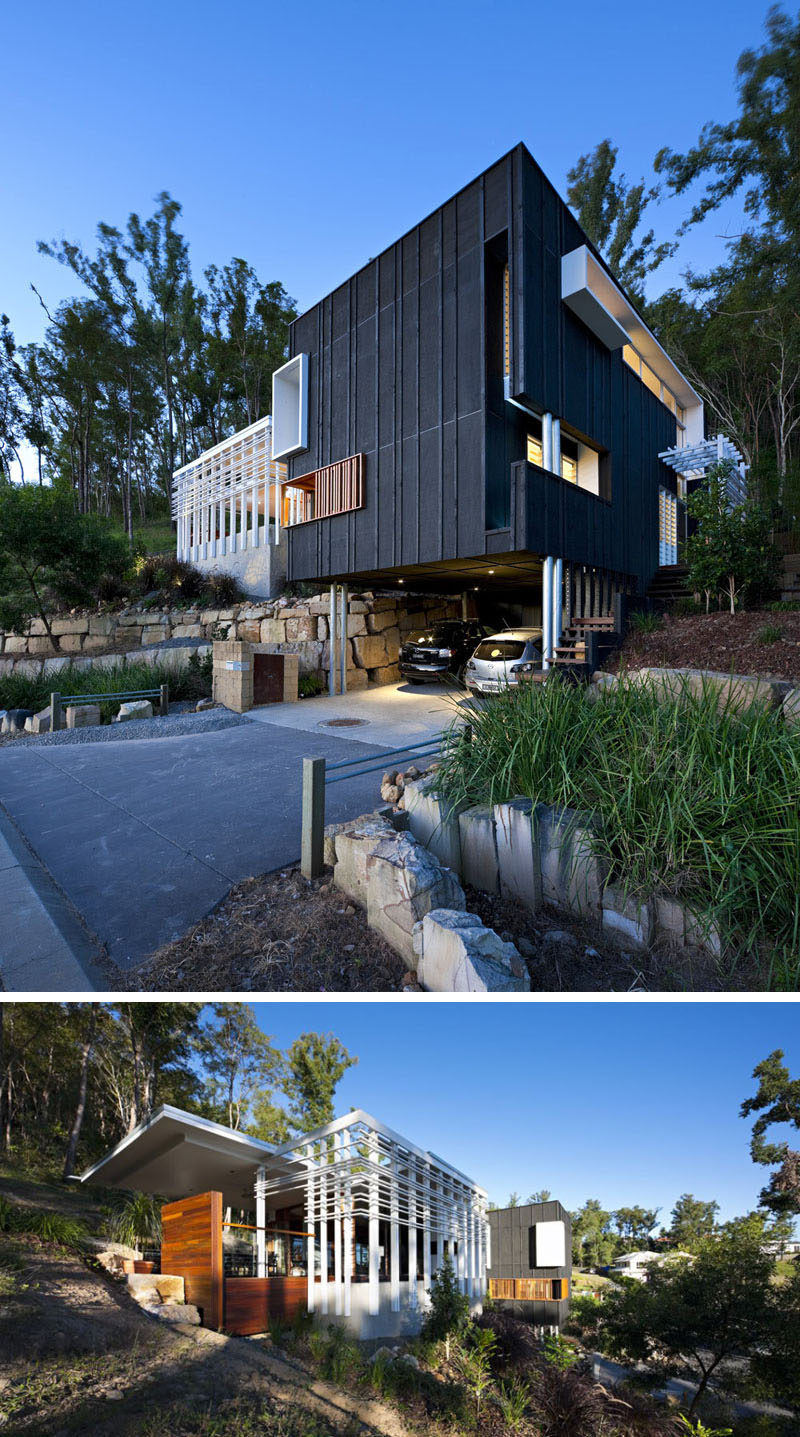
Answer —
(313, 822)
(55, 712)
(163, 700)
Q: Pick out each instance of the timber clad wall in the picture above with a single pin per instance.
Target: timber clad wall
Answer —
(191, 1248)
(406, 368)
(250, 1302)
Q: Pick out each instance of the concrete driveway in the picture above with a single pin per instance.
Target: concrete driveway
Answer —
(144, 838)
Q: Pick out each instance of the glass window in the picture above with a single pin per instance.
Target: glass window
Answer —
(631, 357)
(535, 451)
(569, 468)
(651, 380)
(500, 649)
(668, 398)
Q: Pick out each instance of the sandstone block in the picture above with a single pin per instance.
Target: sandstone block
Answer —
(377, 622)
(135, 709)
(356, 624)
(572, 876)
(69, 643)
(518, 861)
(390, 674)
(190, 631)
(370, 651)
(39, 646)
(54, 666)
(249, 630)
(627, 917)
(82, 715)
(322, 628)
(301, 628)
(791, 708)
(95, 643)
(176, 1312)
(403, 883)
(37, 629)
(457, 954)
(102, 624)
(479, 848)
(433, 823)
(16, 644)
(154, 633)
(40, 723)
(357, 606)
(352, 848)
(70, 625)
(273, 631)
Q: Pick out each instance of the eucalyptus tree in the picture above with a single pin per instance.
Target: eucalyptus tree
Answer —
(612, 213)
(11, 417)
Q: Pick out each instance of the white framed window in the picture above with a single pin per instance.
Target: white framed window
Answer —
(290, 408)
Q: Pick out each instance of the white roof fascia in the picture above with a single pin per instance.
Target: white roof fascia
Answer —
(191, 1124)
(581, 263)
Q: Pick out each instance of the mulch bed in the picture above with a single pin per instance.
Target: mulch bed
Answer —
(279, 933)
(727, 643)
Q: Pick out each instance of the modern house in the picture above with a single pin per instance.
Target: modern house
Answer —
(350, 1222)
(637, 1264)
(530, 1265)
(480, 411)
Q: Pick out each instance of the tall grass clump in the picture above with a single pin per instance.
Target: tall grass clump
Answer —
(693, 798)
(21, 691)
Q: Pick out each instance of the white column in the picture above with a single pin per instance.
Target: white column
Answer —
(265, 496)
(243, 517)
(394, 1237)
(311, 1213)
(556, 446)
(374, 1238)
(232, 535)
(253, 497)
(461, 1220)
(412, 1231)
(558, 615)
(261, 1222)
(426, 1226)
(323, 1239)
(348, 1229)
(332, 644)
(337, 1226)
(196, 522)
(547, 612)
(343, 641)
(276, 484)
(547, 442)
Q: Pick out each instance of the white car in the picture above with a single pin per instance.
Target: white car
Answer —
(504, 660)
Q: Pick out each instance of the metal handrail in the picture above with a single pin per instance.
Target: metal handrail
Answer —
(57, 701)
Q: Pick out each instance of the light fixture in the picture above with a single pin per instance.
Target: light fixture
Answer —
(491, 571)
(401, 581)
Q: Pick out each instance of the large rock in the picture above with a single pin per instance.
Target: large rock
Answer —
(627, 917)
(433, 822)
(38, 723)
(479, 848)
(404, 882)
(370, 651)
(737, 692)
(572, 875)
(518, 862)
(14, 720)
(352, 847)
(174, 1312)
(135, 709)
(457, 954)
(791, 708)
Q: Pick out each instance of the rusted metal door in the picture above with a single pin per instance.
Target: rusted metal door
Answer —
(267, 679)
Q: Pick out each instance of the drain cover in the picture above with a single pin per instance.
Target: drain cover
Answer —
(342, 723)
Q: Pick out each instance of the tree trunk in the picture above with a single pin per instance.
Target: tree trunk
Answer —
(80, 1109)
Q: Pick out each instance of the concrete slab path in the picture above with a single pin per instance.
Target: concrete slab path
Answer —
(145, 838)
(389, 715)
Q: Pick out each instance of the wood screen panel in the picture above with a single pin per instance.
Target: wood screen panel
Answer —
(191, 1248)
(251, 1301)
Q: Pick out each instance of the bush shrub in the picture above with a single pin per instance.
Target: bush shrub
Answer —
(692, 799)
(25, 692)
(645, 621)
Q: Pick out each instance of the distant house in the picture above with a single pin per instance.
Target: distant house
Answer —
(351, 1221)
(530, 1261)
(637, 1264)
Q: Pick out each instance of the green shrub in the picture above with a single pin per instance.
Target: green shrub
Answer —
(513, 1397)
(558, 1352)
(39, 1222)
(449, 1310)
(769, 634)
(193, 681)
(9, 1215)
(691, 799)
(336, 1355)
(310, 685)
(645, 621)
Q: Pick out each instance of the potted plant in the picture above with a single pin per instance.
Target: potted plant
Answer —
(136, 1222)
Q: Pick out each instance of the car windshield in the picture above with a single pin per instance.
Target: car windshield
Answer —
(500, 649)
(429, 638)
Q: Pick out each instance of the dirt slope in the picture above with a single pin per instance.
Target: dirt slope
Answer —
(725, 642)
(78, 1356)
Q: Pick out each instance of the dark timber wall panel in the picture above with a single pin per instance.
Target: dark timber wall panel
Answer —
(405, 368)
(510, 1253)
(191, 1248)
(250, 1302)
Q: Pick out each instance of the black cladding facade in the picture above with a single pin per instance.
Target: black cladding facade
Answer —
(513, 1255)
(406, 367)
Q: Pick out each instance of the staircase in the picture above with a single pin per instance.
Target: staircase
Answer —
(584, 644)
(669, 583)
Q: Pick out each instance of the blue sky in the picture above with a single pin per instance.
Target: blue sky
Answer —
(624, 1102)
(306, 138)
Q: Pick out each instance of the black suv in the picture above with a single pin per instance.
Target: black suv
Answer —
(440, 651)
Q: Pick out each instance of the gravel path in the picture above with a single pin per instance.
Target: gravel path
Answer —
(175, 726)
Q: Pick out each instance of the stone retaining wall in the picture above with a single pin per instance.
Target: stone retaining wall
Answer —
(377, 623)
